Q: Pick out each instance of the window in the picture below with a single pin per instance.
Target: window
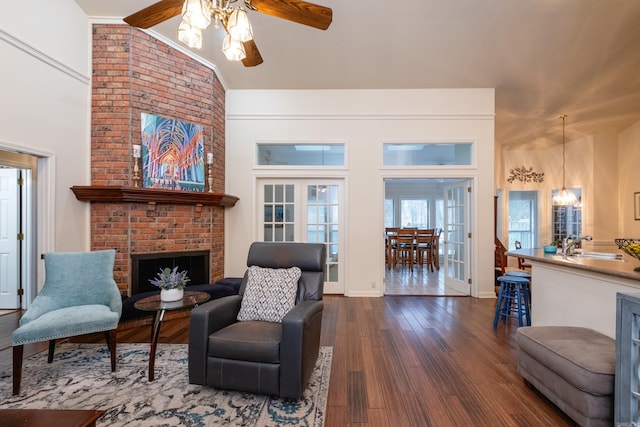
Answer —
(389, 213)
(300, 154)
(278, 214)
(427, 154)
(566, 221)
(414, 213)
(523, 218)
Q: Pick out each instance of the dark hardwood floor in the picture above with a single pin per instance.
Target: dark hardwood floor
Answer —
(403, 361)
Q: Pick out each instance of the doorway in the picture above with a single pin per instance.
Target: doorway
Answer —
(432, 203)
(305, 210)
(17, 228)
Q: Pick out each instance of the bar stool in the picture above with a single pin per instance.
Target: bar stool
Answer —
(523, 274)
(513, 300)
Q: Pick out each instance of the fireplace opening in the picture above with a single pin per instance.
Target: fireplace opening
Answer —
(147, 266)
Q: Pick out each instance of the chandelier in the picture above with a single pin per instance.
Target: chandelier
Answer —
(198, 14)
(564, 197)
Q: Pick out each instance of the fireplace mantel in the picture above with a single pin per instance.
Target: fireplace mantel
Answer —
(121, 194)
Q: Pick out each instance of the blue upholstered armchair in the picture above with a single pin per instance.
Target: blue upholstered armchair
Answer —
(79, 297)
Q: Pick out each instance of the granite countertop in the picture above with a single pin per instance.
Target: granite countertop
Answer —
(623, 268)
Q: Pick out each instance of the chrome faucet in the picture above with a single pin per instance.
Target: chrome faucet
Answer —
(568, 245)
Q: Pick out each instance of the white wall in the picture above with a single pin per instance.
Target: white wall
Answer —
(629, 180)
(45, 107)
(363, 119)
(603, 165)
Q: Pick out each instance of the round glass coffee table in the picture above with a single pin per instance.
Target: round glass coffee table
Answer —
(190, 299)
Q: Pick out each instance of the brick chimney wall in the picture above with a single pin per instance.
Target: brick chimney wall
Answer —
(134, 73)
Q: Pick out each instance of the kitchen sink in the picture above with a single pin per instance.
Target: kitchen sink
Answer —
(599, 255)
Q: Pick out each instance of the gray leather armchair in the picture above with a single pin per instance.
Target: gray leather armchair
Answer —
(256, 356)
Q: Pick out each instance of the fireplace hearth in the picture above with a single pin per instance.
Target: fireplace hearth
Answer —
(147, 266)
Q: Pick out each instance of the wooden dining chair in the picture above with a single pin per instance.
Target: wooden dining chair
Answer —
(436, 248)
(424, 247)
(522, 264)
(391, 242)
(406, 247)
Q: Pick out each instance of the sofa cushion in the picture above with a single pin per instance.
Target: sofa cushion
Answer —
(270, 293)
(583, 357)
(249, 341)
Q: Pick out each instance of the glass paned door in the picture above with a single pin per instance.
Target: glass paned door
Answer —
(323, 225)
(306, 211)
(278, 213)
(456, 229)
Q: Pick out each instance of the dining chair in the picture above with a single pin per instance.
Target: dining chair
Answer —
(424, 247)
(522, 264)
(391, 244)
(406, 247)
(436, 247)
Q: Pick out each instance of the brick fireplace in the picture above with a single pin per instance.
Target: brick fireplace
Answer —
(145, 267)
(134, 73)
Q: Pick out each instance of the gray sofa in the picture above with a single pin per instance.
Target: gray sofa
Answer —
(259, 356)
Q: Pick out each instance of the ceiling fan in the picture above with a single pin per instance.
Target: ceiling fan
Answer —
(239, 43)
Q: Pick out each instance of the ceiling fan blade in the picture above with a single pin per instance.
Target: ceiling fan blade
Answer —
(155, 14)
(253, 57)
(299, 11)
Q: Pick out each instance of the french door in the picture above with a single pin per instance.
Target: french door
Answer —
(9, 243)
(305, 210)
(457, 265)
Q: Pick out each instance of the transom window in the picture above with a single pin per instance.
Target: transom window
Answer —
(300, 154)
(427, 154)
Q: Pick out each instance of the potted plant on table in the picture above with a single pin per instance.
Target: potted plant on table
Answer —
(171, 283)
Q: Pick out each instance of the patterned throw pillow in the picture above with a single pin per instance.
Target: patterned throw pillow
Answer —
(269, 294)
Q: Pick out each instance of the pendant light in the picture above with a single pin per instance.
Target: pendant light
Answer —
(564, 197)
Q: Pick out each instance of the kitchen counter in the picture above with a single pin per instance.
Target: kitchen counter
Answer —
(577, 291)
(622, 268)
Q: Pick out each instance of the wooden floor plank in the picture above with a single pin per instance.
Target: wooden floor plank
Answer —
(402, 361)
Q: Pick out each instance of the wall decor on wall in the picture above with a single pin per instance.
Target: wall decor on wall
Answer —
(172, 154)
(523, 174)
(636, 205)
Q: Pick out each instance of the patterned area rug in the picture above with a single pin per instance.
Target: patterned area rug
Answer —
(80, 378)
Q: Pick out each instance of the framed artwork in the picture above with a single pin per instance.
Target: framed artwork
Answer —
(636, 206)
(172, 154)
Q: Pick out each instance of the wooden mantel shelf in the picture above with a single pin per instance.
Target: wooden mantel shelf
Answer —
(121, 194)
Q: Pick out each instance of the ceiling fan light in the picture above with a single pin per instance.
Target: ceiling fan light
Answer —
(233, 49)
(189, 35)
(238, 25)
(196, 13)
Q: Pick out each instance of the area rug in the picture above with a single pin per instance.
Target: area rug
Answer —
(80, 378)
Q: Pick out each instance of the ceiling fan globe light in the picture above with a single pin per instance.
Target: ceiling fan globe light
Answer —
(196, 13)
(189, 35)
(238, 25)
(233, 49)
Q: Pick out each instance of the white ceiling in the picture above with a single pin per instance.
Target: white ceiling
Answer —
(544, 57)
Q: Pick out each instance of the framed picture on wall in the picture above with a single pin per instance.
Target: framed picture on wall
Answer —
(172, 154)
(636, 205)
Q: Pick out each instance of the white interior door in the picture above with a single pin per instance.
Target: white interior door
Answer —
(9, 243)
(305, 210)
(457, 232)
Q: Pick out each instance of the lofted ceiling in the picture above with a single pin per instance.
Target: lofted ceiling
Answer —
(543, 57)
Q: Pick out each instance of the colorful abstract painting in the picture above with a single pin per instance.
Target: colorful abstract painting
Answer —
(172, 154)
